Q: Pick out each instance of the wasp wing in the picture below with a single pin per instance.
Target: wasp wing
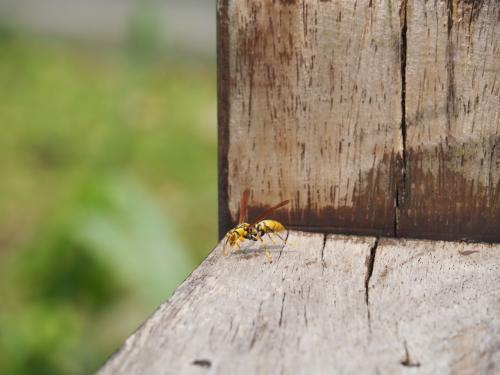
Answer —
(244, 206)
(268, 212)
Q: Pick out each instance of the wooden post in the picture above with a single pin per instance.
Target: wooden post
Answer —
(374, 117)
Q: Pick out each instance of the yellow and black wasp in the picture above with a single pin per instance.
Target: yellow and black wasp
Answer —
(255, 230)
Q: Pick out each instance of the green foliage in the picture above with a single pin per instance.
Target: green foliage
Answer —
(107, 200)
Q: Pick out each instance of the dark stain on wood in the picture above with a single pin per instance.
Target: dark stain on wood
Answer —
(384, 273)
(223, 110)
(286, 2)
(372, 216)
(468, 252)
(447, 205)
(470, 7)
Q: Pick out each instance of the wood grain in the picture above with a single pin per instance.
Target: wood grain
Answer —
(335, 304)
(313, 111)
(436, 307)
(452, 121)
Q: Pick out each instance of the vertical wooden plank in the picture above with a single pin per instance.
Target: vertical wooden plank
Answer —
(312, 110)
(452, 121)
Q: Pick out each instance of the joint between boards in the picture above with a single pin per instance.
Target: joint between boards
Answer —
(370, 262)
(401, 165)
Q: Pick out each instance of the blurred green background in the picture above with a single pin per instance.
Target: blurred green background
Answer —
(107, 172)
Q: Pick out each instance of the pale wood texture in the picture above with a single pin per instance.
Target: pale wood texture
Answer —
(373, 116)
(452, 120)
(328, 305)
(313, 102)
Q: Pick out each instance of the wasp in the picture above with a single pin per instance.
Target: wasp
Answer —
(255, 230)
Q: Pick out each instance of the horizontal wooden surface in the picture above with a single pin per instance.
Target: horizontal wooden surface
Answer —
(375, 117)
(328, 305)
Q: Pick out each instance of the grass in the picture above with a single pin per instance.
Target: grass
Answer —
(107, 195)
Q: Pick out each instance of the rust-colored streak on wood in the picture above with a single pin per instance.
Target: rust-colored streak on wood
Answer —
(315, 93)
(452, 120)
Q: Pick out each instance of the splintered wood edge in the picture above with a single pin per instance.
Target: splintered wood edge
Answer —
(331, 303)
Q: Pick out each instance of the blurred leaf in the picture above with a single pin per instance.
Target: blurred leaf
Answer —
(137, 238)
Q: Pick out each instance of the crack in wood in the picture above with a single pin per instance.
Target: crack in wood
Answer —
(370, 261)
(305, 316)
(258, 328)
(323, 262)
(282, 308)
(400, 190)
(450, 68)
(407, 361)
(237, 330)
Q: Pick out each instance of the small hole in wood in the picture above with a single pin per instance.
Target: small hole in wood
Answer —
(407, 363)
(202, 363)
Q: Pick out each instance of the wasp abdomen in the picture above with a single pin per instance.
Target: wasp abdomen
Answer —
(269, 226)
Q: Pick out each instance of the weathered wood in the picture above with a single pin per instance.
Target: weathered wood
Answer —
(310, 110)
(436, 306)
(334, 304)
(452, 120)
(374, 116)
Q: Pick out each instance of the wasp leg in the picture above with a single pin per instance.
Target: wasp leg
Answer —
(224, 249)
(239, 247)
(269, 236)
(277, 235)
(285, 241)
(268, 254)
